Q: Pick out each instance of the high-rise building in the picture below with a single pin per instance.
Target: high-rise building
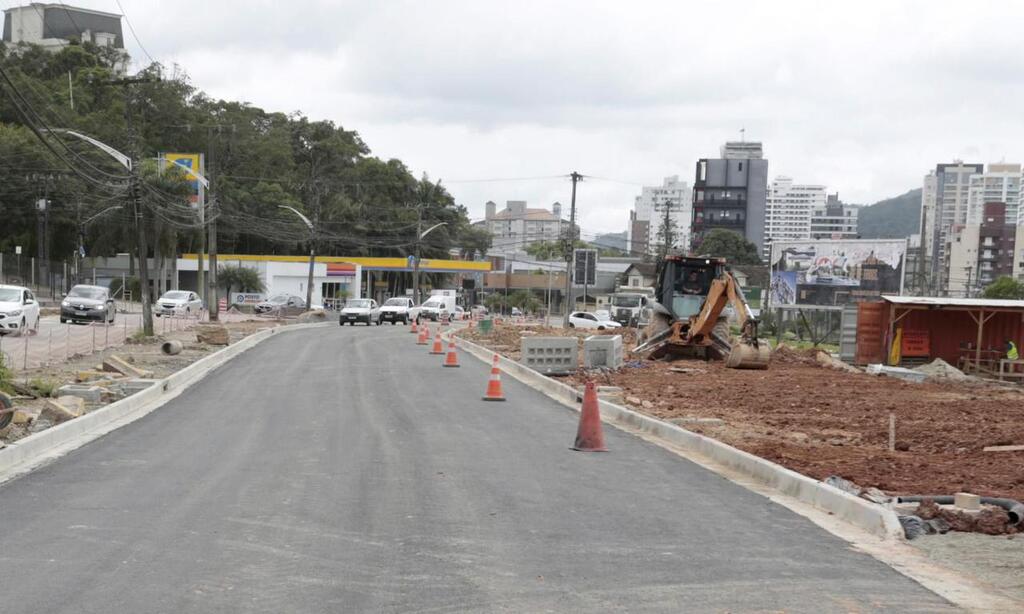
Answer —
(979, 253)
(788, 210)
(835, 220)
(517, 226)
(944, 203)
(1000, 183)
(651, 205)
(731, 193)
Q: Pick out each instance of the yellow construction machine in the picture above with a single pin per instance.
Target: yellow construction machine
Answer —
(688, 315)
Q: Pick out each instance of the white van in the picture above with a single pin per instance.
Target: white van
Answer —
(437, 307)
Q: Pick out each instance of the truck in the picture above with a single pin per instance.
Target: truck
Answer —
(631, 306)
(439, 306)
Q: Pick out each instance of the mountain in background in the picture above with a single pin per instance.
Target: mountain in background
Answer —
(892, 218)
(611, 240)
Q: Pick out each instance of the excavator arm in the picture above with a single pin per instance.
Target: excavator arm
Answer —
(724, 290)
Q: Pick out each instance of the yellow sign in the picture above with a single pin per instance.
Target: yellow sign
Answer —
(188, 162)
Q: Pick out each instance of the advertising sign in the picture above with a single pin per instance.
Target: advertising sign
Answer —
(835, 273)
(189, 161)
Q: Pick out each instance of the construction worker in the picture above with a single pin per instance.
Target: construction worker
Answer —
(1011, 351)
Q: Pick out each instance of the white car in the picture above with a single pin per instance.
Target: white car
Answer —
(583, 319)
(360, 310)
(396, 310)
(19, 310)
(178, 303)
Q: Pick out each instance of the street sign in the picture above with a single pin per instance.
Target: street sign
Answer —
(584, 267)
(17, 250)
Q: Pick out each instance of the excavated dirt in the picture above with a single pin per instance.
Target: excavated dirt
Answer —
(822, 421)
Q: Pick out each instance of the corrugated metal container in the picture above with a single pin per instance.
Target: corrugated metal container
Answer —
(871, 332)
(949, 331)
(848, 334)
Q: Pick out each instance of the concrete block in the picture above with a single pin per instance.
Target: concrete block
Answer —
(212, 334)
(116, 364)
(967, 501)
(22, 417)
(89, 394)
(61, 409)
(602, 351)
(550, 354)
(137, 385)
(88, 376)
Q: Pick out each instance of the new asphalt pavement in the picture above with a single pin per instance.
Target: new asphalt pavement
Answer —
(343, 469)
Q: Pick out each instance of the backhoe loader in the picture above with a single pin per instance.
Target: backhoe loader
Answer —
(687, 317)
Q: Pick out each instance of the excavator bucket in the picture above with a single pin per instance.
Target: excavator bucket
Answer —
(744, 355)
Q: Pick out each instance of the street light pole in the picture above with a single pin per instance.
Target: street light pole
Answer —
(312, 252)
(416, 262)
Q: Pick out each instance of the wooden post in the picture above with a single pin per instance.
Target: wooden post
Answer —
(892, 432)
(977, 349)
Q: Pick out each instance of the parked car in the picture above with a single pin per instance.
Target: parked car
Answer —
(360, 310)
(178, 303)
(459, 313)
(583, 319)
(19, 310)
(396, 310)
(278, 302)
(478, 310)
(516, 311)
(85, 303)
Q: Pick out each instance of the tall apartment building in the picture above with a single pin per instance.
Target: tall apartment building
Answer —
(1000, 183)
(978, 253)
(788, 210)
(517, 226)
(835, 220)
(731, 192)
(944, 203)
(649, 210)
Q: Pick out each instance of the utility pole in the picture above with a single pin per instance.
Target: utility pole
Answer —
(211, 279)
(570, 243)
(136, 202)
(416, 257)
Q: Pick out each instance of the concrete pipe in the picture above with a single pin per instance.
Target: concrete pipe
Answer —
(171, 348)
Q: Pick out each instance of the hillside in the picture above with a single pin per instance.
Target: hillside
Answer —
(892, 218)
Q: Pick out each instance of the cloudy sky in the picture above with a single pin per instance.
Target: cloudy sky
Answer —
(863, 98)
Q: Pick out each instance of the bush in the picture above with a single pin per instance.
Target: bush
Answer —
(133, 287)
(6, 377)
(43, 387)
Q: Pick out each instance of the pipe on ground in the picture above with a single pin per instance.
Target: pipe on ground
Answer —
(1014, 509)
(171, 347)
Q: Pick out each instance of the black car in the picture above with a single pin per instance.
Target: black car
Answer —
(87, 304)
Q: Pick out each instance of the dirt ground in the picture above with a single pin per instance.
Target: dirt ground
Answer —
(145, 356)
(820, 421)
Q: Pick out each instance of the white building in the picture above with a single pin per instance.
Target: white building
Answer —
(517, 226)
(962, 260)
(650, 206)
(835, 220)
(789, 208)
(1000, 183)
(54, 25)
(944, 204)
(287, 274)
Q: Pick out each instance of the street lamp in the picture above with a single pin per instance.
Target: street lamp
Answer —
(416, 262)
(312, 252)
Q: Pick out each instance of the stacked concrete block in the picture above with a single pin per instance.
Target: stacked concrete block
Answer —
(554, 355)
(602, 351)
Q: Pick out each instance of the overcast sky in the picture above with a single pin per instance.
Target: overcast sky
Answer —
(862, 97)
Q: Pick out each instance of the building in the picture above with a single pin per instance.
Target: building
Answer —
(639, 275)
(1018, 248)
(517, 226)
(978, 254)
(835, 220)
(672, 196)
(944, 203)
(731, 193)
(54, 25)
(788, 210)
(999, 183)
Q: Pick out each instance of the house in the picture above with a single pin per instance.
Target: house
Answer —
(640, 275)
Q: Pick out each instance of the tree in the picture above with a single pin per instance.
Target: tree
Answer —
(474, 242)
(730, 245)
(243, 278)
(1005, 288)
(667, 234)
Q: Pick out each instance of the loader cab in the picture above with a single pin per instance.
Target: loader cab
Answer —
(684, 282)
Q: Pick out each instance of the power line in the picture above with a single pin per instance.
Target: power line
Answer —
(131, 29)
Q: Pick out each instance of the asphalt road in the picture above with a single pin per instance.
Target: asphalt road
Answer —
(343, 469)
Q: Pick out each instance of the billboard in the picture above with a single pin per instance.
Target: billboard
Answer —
(835, 273)
(189, 161)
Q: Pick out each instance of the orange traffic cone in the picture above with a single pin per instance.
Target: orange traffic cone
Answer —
(452, 359)
(438, 346)
(424, 336)
(589, 436)
(494, 392)
(414, 328)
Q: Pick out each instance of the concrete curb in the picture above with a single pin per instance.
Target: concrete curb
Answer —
(868, 516)
(25, 454)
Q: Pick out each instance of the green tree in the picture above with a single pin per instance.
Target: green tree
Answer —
(1005, 287)
(730, 245)
(245, 279)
